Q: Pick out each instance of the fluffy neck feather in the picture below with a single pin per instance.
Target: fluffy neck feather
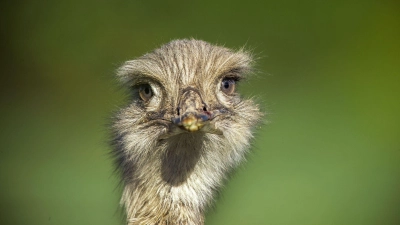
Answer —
(177, 186)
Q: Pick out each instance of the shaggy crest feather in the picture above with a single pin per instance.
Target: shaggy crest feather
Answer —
(184, 130)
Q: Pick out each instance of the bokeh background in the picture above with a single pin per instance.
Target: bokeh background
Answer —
(329, 78)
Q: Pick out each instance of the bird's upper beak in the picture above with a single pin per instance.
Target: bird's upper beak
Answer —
(191, 121)
(192, 111)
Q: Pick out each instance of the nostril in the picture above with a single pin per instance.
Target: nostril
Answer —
(204, 109)
(178, 110)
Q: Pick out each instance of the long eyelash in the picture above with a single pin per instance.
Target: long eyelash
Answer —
(234, 78)
(233, 74)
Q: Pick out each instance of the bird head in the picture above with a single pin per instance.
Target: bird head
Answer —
(185, 115)
(188, 86)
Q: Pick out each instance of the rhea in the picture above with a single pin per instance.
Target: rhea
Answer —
(184, 130)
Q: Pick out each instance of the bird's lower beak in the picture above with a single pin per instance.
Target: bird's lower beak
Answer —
(191, 121)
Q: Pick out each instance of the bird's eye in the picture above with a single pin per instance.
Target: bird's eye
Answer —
(145, 92)
(228, 85)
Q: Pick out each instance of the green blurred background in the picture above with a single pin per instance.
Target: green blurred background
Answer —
(329, 79)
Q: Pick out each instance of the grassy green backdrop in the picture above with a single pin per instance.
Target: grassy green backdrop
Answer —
(330, 81)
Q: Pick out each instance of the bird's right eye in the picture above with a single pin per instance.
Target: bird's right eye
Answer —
(228, 85)
(145, 92)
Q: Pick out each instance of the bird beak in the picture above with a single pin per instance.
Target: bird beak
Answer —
(191, 121)
(192, 111)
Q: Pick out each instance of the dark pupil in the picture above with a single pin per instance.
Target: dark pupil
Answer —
(147, 90)
(226, 84)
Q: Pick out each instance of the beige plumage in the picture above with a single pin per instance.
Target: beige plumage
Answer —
(183, 131)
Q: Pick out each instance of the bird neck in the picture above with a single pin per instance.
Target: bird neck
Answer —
(154, 209)
(176, 188)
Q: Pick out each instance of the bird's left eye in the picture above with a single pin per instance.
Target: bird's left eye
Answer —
(145, 92)
(228, 85)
